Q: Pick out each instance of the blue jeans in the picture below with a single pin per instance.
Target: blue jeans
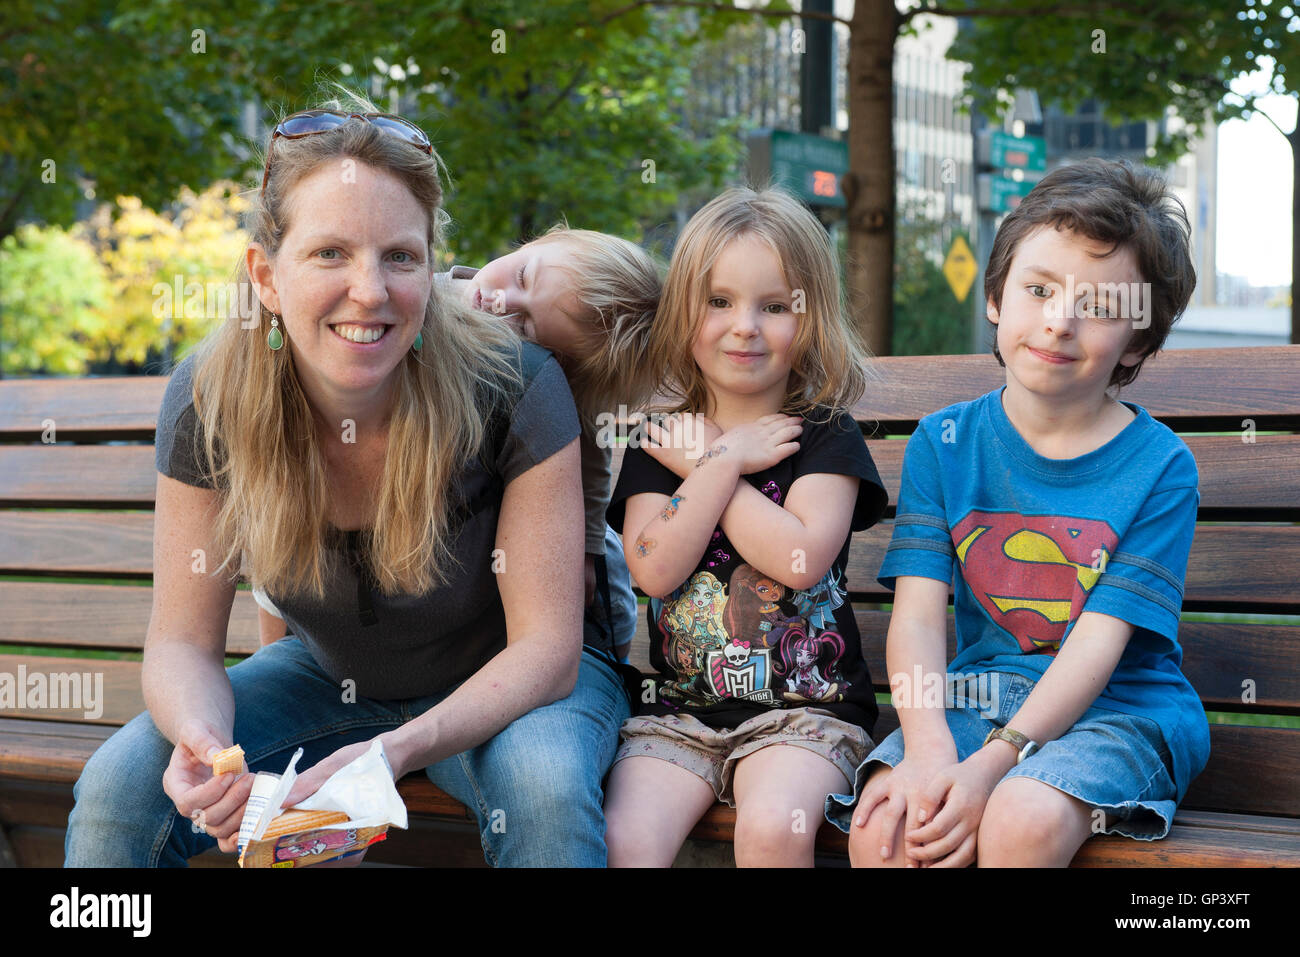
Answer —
(535, 787)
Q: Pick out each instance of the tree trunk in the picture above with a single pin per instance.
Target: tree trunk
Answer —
(869, 185)
(1294, 140)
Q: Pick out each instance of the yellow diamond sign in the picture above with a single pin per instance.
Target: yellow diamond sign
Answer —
(959, 268)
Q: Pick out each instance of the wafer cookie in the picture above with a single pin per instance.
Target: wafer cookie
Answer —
(296, 822)
(231, 759)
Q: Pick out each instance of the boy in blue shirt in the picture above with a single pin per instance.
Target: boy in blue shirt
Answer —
(1062, 518)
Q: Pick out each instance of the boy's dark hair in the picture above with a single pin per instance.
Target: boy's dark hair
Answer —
(1110, 202)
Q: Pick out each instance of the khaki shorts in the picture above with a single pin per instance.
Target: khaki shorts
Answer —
(712, 753)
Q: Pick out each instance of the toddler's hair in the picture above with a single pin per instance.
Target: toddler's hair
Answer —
(617, 285)
(828, 358)
(1110, 202)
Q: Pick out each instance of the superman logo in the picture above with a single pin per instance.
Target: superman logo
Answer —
(1032, 573)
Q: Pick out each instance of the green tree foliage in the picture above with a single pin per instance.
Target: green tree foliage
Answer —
(91, 106)
(127, 289)
(1138, 60)
(53, 291)
(541, 111)
(171, 274)
(1142, 60)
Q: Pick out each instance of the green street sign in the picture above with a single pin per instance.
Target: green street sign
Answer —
(1004, 151)
(1001, 194)
(811, 167)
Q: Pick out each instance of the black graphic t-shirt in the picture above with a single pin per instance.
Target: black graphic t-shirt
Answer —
(729, 642)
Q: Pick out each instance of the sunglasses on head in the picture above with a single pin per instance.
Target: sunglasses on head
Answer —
(310, 122)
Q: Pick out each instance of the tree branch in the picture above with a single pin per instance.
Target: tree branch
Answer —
(1248, 102)
(725, 8)
(559, 97)
(8, 218)
(1049, 10)
(1256, 111)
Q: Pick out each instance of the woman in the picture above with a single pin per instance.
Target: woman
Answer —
(401, 476)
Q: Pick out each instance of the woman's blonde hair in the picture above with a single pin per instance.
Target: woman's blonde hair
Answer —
(828, 357)
(261, 443)
(617, 286)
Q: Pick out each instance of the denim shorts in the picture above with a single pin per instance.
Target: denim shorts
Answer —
(1110, 760)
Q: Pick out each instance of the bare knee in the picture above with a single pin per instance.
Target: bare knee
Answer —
(775, 835)
(865, 842)
(1027, 823)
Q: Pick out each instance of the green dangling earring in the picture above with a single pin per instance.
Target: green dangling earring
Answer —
(275, 338)
(419, 341)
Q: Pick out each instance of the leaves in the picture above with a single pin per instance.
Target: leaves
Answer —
(1138, 63)
(125, 289)
(555, 126)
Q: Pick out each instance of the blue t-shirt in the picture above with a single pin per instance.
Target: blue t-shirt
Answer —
(1032, 542)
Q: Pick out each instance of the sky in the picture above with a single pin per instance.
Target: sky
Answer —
(1254, 209)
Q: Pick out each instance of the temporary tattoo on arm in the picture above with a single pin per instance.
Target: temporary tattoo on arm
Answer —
(644, 546)
(671, 508)
(715, 451)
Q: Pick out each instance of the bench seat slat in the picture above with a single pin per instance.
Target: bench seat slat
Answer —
(1198, 838)
(1253, 769)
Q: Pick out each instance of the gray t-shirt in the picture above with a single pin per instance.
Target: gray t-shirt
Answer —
(410, 645)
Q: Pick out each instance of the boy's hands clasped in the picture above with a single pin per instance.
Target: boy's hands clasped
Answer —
(959, 793)
(943, 800)
(901, 792)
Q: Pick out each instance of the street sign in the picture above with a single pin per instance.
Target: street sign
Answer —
(1001, 194)
(811, 167)
(959, 268)
(1004, 151)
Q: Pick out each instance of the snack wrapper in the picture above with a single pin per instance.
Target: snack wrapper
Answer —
(364, 791)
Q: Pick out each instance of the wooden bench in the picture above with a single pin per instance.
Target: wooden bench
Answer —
(81, 509)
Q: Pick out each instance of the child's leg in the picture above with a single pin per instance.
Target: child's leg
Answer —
(650, 808)
(780, 793)
(1028, 823)
(1110, 772)
(865, 842)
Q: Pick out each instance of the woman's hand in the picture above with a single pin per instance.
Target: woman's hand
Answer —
(760, 444)
(960, 792)
(678, 441)
(901, 791)
(213, 803)
(310, 781)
